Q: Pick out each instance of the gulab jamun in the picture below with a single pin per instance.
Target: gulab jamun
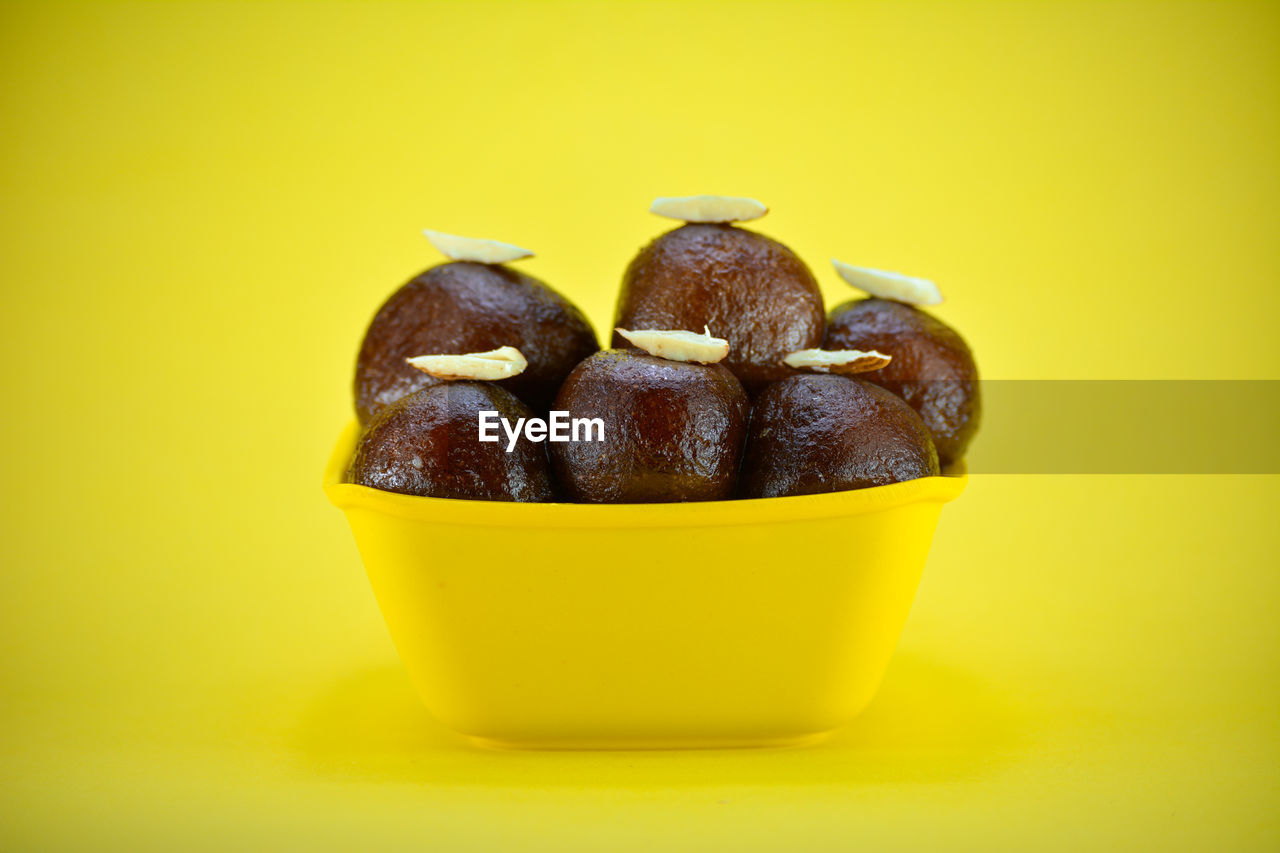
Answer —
(468, 305)
(673, 429)
(427, 443)
(751, 289)
(932, 367)
(816, 433)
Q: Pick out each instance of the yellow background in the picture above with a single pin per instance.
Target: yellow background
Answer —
(201, 206)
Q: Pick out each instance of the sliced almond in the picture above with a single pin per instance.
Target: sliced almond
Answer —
(679, 345)
(890, 285)
(844, 361)
(473, 249)
(709, 208)
(501, 363)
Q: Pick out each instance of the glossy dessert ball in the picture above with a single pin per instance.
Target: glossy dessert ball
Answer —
(750, 289)
(932, 367)
(427, 444)
(470, 307)
(824, 433)
(673, 430)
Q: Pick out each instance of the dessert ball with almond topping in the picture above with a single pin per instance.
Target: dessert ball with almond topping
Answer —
(673, 427)
(752, 290)
(826, 433)
(470, 305)
(932, 368)
(428, 444)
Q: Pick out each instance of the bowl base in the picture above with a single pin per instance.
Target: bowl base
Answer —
(625, 744)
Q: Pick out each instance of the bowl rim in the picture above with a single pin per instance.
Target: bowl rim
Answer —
(741, 511)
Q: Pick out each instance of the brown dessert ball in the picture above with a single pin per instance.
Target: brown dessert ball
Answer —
(470, 307)
(428, 444)
(822, 433)
(673, 431)
(749, 289)
(932, 367)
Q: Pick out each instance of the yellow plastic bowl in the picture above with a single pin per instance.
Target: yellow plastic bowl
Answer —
(718, 624)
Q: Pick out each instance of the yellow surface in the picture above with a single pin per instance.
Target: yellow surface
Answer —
(706, 630)
(201, 205)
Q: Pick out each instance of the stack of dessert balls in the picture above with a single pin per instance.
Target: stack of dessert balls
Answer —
(726, 377)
